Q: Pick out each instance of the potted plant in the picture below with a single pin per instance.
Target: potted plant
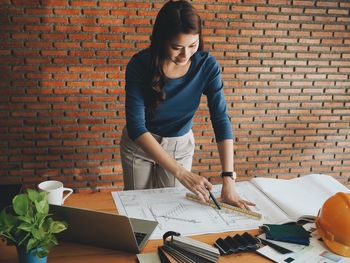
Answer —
(28, 225)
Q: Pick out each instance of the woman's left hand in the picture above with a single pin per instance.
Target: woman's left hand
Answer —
(230, 196)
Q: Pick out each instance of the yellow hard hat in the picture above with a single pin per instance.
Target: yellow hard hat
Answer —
(333, 223)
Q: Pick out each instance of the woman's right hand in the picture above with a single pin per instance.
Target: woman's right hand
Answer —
(197, 184)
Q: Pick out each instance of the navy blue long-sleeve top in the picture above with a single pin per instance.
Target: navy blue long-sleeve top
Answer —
(174, 116)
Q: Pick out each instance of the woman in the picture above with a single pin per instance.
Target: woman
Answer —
(164, 84)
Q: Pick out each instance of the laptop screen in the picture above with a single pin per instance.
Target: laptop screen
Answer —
(7, 193)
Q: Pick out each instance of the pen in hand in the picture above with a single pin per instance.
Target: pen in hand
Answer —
(214, 200)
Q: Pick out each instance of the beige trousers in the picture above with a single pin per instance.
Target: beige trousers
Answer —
(141, 172)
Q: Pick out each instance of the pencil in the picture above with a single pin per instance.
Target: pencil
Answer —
(214, 200)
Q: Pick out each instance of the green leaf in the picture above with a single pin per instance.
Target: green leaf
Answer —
(3, 218)
(57, 227)
(43, 195)
(33, 195)
(20, 204)
(53, 240)
(7, 226)
(39, 234)
(40, 219)
(25, 218)
(7, 220)
(42, 206)
(26, 227)
(32, 243)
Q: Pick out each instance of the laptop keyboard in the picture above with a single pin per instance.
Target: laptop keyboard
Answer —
(139, 237)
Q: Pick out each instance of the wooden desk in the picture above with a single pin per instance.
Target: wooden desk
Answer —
(75, 253)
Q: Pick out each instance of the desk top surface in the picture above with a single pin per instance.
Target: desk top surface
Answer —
(73, 253)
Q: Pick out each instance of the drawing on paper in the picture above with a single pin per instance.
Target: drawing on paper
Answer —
(172, 211)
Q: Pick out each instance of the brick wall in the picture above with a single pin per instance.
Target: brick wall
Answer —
(286, 67)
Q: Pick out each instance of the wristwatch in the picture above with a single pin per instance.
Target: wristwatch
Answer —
(233, 175)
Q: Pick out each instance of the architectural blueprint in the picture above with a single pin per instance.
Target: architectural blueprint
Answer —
(170, 208)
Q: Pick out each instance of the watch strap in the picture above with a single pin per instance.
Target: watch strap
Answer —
(229, 174)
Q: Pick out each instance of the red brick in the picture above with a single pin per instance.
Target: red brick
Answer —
(32, 44)
(137, 5)
(131, 21)
(132, 12)
(80, 37)
(54, 19)
(93, 76)
(11, 27)
(97, 12)
(67, 91)
(100, 142)
(53, 3)
(108, 3)
(37, 11)
(77, 114)
(81, 53)
(94, 45)
(81, 3)
(26, 20)
(110, 37)
(83, 20)
(54, 52)
(123, 29)
(41, 28)
(68, 28)
(79, 83)
(67, 60)
(104, 113)
(26, 2)
(111, 61)
(80, 69)
(112, 21)
(66, 12)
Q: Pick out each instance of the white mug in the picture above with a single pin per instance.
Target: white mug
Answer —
(55, 191)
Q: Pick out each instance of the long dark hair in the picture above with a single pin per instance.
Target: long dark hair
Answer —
(174, 17)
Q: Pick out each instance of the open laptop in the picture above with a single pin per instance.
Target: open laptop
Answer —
(103, 229)
(7, 193)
